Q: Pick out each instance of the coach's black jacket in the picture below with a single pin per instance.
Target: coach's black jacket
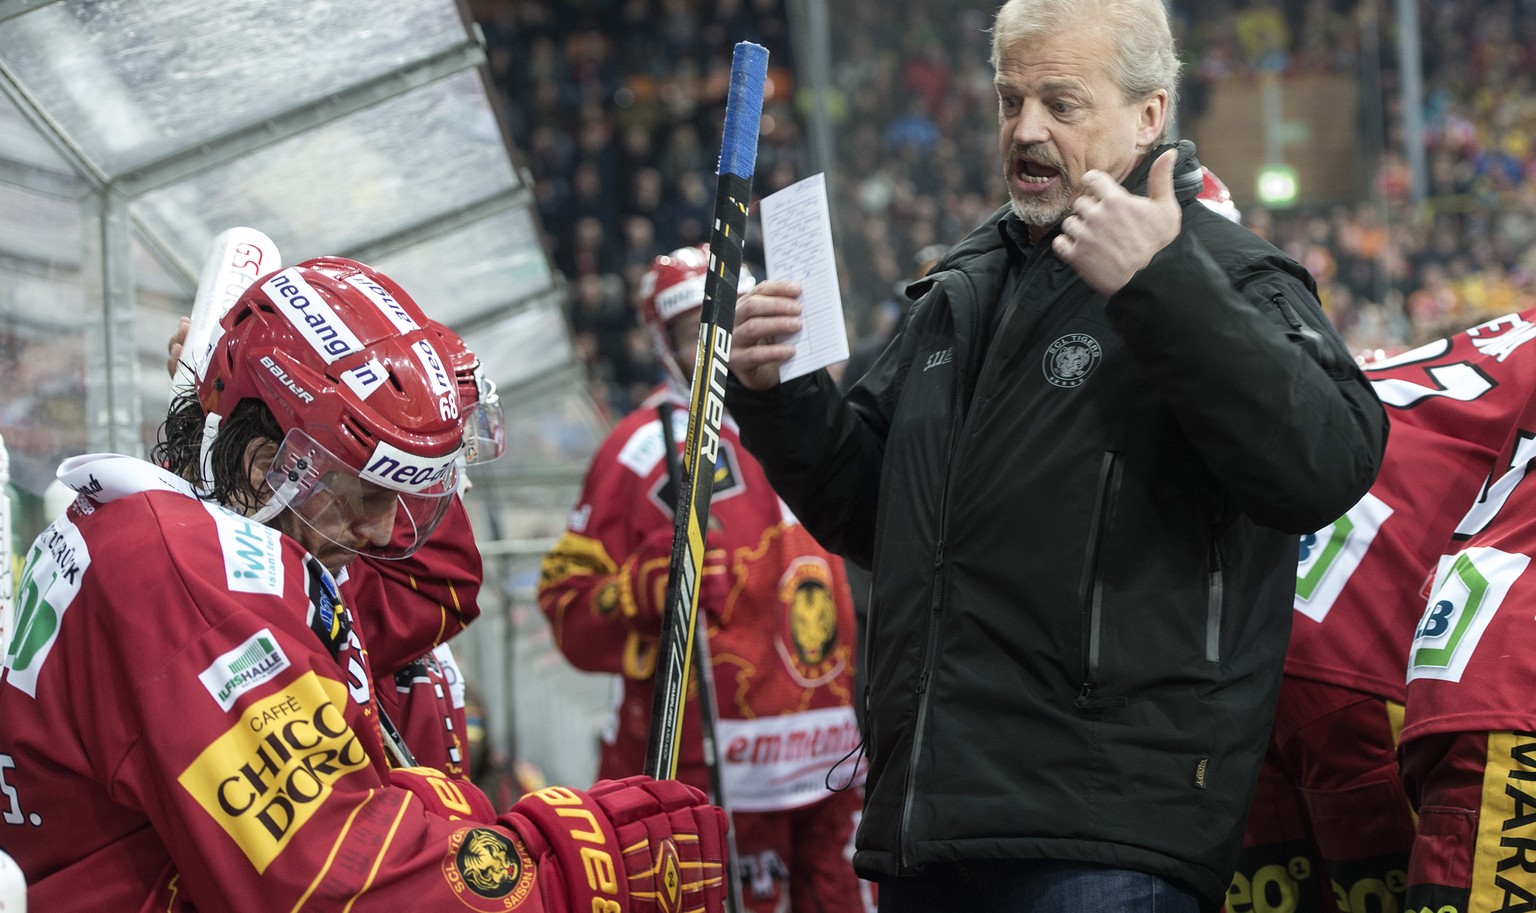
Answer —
(1083, 545)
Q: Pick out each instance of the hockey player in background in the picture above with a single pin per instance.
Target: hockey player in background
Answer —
(779, 617)
(1469, 731)
(188, 706)
(1332, 777)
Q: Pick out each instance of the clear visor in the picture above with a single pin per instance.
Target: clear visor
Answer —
(485, 435)
(349, 512)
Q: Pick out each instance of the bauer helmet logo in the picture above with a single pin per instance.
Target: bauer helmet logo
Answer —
(276, 371)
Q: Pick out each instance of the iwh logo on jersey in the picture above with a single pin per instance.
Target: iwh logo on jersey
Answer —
(253, 553)
(1071, 359)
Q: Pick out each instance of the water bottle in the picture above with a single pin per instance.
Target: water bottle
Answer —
(13, 887)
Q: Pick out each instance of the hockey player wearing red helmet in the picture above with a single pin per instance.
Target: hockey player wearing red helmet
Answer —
(412, 605)
(189, 717)
(778, 614)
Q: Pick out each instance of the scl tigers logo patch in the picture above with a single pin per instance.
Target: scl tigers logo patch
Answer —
(1071, 359)
(487, 871)
(810, 643)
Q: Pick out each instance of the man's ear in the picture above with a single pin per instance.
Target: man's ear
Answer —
(259, 453)
(1151, 114)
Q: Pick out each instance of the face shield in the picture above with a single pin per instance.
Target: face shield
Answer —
(485, 436)
(385, 511)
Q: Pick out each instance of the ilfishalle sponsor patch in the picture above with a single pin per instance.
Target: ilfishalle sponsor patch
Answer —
(259, 659)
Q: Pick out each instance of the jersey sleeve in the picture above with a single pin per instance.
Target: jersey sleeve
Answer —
(198, 717)
(412, 604)
(583, 579)
(426, 702)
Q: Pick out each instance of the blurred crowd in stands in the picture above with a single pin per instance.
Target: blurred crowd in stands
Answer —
(617, 106)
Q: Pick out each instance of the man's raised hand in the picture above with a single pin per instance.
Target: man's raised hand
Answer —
(1112, 233)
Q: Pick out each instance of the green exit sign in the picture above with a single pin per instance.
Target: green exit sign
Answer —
(1277, 186)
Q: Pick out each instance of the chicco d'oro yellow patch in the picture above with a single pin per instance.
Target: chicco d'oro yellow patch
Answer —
(265, 776)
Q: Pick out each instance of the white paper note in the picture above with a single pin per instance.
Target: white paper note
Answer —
(797, 246)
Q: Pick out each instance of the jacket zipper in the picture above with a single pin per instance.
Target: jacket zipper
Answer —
(1215, 597)
(930, 635)
(930, 651)
(1093, 590)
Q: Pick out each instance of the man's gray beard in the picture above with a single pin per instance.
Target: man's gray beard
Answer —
(1039, 215)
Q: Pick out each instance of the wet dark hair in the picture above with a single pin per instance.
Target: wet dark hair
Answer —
(179, 444)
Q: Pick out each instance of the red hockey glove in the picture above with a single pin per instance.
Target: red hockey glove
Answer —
(637, 845)
(456, 800)
(643, 582)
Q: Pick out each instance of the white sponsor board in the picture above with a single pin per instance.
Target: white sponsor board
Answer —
(780, 762)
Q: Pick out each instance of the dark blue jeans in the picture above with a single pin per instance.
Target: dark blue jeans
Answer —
(1033, 886)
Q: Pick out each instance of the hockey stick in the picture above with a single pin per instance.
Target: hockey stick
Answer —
(237, 258)
(706, 405)
(708, 707)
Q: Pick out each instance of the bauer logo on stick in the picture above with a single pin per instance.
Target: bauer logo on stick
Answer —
(706, 403)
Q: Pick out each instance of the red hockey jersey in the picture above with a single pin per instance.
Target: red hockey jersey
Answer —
(1361, 582)
(409, 609)
(781, 643)
(188, 722)
(1473, 653)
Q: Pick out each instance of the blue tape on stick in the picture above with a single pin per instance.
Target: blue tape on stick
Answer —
(743, 110)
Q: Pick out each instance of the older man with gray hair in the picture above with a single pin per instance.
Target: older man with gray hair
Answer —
(1078, 474)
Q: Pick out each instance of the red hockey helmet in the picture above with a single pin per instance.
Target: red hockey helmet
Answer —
(1214, 194)
(484, 423)
(359, 384)
(673, 286)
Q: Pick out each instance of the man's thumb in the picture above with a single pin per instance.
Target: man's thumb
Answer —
(1160, 178)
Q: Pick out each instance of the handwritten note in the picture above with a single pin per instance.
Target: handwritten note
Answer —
(797, 245)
